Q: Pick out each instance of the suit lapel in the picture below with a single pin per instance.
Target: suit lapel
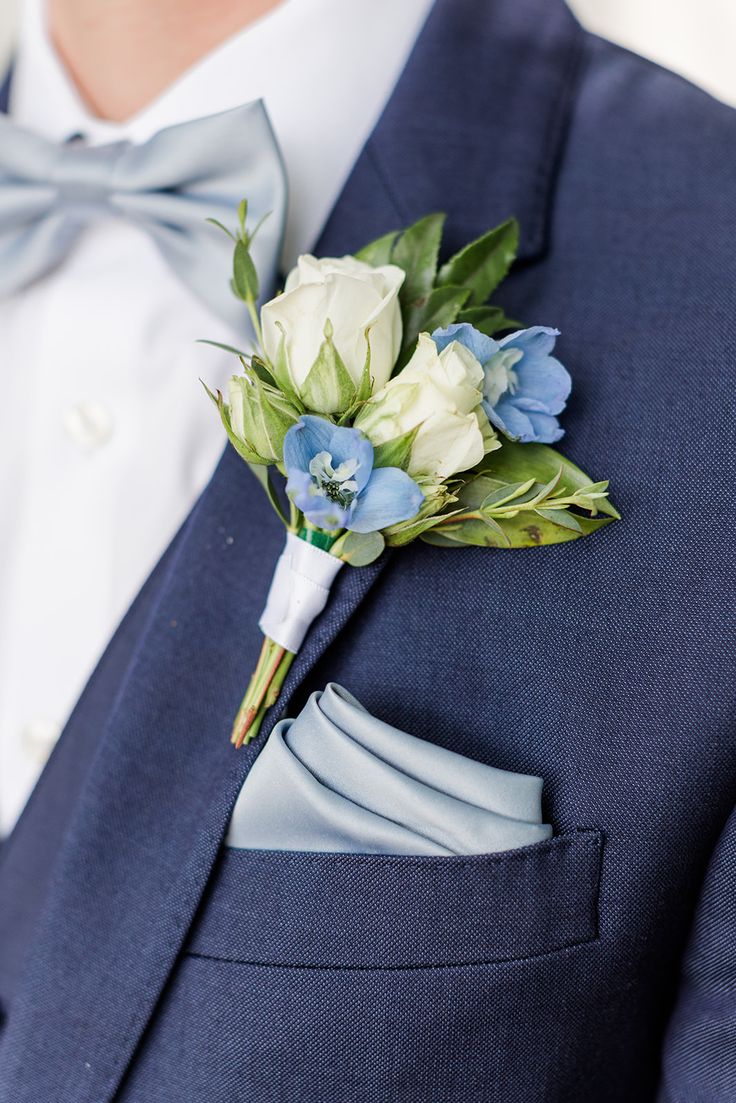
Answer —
(159, 792)
(5, 92)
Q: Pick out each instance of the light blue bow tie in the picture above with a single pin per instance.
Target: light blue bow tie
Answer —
(167, 186)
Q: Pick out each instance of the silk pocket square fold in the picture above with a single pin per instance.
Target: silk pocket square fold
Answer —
(337, 779)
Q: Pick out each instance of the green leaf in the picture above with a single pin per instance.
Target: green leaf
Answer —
(515, 462)
(396, 452)
(329, 387)
(399, 535)
(219, 345)
(378, 252)
(438, 310)
(359, 548)
(561, 517)
(265, 478)
(416, 252)
(245, 277)
(482, 264)
(526, 530)
(488, 319)
(507, 492)
(216, 222)
(257, 464)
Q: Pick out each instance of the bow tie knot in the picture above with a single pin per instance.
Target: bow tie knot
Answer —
(168, 187)
(83, 176)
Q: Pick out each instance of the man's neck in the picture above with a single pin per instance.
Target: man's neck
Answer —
(123, 53)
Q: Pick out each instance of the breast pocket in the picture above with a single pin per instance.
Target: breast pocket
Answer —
(381, 912)
(374, 979)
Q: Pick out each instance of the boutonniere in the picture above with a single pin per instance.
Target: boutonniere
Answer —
(387, 401)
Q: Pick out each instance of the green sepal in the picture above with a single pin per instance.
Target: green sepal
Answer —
(482, 264)
(359, 548)
(329, 387)
(488, 319)
(396, 452)
(245, 277)
(245, 453)
(378, 252)
(365, 389)
(280, 371)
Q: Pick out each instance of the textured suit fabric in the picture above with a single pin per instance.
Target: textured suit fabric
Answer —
(140, 961)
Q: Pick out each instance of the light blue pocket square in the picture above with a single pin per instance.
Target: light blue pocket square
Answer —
(338, 779)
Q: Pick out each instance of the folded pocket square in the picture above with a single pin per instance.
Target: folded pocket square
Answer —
(338, 779)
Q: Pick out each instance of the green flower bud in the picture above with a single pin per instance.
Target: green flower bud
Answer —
(260, 416)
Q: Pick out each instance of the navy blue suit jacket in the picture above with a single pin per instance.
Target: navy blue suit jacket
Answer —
(140, 962)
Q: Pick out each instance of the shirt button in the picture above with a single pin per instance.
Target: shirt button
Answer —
(39, 737)
(89, 424)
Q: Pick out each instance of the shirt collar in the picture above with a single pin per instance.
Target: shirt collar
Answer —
(323, 92)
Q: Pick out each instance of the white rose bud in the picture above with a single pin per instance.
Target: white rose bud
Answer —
(317, 333)
(439, 394)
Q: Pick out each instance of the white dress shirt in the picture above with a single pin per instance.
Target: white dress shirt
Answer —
(106, 436)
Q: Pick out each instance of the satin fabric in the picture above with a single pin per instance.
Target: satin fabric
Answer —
(339, 779)
(167, 186)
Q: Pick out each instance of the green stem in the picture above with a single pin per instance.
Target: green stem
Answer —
(263, 691)
(318, 537)
(250, 303)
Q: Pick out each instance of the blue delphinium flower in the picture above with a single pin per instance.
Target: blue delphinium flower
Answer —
(332, 480)
(525, 387)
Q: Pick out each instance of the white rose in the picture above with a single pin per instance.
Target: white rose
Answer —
(346, 299)
(440, 393)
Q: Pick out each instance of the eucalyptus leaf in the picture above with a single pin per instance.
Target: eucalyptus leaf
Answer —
(359, 548)
(482, 264)
(378, 252)
(416, 252)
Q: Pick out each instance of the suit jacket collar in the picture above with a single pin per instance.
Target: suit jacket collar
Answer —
(5, 92)
(472, 128)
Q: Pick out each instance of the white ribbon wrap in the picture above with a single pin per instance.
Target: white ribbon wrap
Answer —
(299, 591)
